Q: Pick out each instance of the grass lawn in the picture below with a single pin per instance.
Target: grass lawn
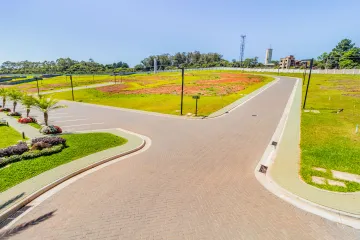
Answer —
(328, 139)
(80, 145)
(61, 82)
(161, 92)
(8, 136)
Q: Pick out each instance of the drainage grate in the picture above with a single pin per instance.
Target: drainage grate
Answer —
(263, 169)
(13, 216)
(254, 115)
(274, 143)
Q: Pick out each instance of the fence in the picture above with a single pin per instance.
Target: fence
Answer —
(316, 71)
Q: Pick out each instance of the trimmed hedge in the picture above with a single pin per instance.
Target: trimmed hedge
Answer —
(17, 149)
(49, 140)
(31, 155)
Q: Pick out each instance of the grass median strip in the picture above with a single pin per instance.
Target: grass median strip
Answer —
(330, 138)
(80, 145)
(8, 136)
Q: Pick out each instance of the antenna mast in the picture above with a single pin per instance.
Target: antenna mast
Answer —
(242, 49)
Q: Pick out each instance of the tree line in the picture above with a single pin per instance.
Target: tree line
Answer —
(344, 55)
(62, 66)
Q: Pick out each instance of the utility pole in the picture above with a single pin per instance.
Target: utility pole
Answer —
(308, 83)
(182, 90)
(242, 49)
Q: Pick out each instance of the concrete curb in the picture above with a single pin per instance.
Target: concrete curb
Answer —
(6, 214)
(266, 180)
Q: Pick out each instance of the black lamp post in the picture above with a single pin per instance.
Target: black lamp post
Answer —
(308, 83)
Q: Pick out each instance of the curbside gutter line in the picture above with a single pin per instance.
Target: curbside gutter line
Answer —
(266, 180)
(52, 185)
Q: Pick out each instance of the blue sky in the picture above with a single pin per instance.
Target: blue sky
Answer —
(119, 30)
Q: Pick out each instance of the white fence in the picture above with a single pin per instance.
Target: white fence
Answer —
(321, 71)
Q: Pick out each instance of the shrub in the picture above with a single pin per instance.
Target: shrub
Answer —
(50, 140)
(31, 155)
(5, 110)
(40, 146)
(50, 129)
(27, 120)
(14, 114)
(18, 149)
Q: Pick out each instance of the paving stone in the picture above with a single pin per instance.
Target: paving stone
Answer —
(346, 176)
(318, 180)
(196, 181)
(319, 169)
(336, 183)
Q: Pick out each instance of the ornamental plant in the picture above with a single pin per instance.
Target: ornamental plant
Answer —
(27, 120)
(14, 114)
(28, 101)
(5, 110)
(51, 129)
(50, 140)
(3, 95)
(46, 105)
(15, 96)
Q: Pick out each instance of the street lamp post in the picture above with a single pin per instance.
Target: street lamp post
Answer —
(72, 88)
(182, 90)
(308, 83)
(37, 84)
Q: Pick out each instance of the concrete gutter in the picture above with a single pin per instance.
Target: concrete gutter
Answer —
(282, 177)
(25, 192)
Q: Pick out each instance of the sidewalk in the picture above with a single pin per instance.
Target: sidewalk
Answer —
(30, 132)
(285, 170)
(18, 196)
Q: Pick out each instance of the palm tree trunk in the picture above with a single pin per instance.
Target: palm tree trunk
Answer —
(27, 112)
(4, 101)
(14, 106)
(46, 117)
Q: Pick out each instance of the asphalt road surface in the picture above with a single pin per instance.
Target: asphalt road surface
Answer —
(196, 181)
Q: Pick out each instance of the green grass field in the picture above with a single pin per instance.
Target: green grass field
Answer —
(61, 82)
(8, 136)
(328, 139)
(80, 145)
(161, 92)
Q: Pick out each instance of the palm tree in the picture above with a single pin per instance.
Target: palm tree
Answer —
(15, 96)
(3, 94)
(28, 101)
(46, 105)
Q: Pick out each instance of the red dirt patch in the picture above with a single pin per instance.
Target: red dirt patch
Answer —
(112, 89)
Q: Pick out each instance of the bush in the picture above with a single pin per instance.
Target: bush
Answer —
(5, 110)
(31, 155)
(18, 149)
(40, 146)
(50, 129)
(14, 114)
(27, 120)
(49, 140)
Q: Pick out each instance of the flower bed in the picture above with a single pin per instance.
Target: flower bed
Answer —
(17, 149)
(50, 129)
(14, 114)
(27, 120)
(49, 140)
(5, 110)
(39, 147)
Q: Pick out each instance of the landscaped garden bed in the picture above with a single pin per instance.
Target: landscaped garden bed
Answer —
(77, 146)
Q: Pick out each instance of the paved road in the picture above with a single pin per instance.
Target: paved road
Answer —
(195, 182)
